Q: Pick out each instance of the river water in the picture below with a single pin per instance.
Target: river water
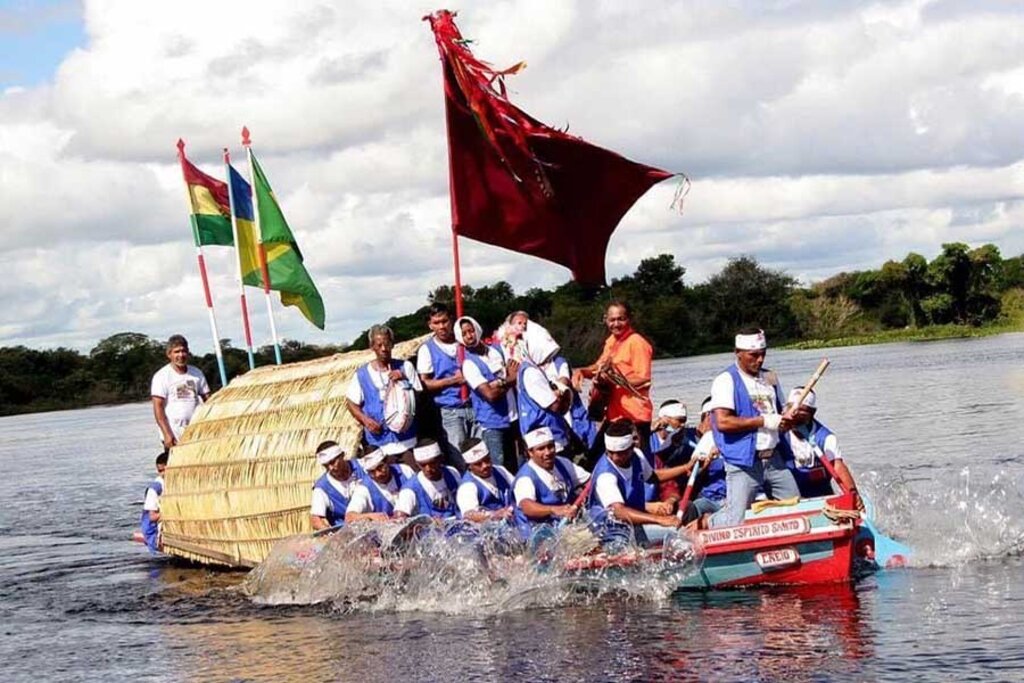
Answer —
(933, 431)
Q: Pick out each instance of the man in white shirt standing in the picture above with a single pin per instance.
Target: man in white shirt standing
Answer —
(747, 417)
(176, 390)
(439, 365)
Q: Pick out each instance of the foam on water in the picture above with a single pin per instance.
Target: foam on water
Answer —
(455, 570)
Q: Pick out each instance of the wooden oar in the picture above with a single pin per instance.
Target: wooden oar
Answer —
(689, 488)
(822, 367)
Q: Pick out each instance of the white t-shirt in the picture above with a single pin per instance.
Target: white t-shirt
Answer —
(704, 446)
(321, 503)
(424, 361)
(436, 490)
(803, 450)
(379, 380)
(525, 490)
(762, 394)
(152, 501)
(606, 486)
(496, 364)
(360, 502)
(182, 393)
(468, 497)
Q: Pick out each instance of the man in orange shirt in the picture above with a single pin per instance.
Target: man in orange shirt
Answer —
(629, 355)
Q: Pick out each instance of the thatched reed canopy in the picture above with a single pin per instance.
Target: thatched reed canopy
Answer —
(241, 475)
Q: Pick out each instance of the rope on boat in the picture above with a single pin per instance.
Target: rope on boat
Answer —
(839, 515)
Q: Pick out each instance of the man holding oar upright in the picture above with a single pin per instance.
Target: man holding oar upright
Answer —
(747, 417)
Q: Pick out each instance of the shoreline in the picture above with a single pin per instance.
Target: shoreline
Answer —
(919, 334)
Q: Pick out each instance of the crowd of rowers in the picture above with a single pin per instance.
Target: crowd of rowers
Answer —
(516, 444)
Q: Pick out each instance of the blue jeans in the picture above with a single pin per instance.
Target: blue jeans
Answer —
(501, 446)
(705, 506)
(743, 483)
(457, 424)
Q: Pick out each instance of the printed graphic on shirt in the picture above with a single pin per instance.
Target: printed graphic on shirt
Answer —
(186, 390)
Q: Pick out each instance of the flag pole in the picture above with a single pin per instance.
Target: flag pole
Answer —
(202, 268)
(238, 261)
(264, 271)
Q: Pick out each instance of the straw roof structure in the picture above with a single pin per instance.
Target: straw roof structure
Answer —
(241, 475)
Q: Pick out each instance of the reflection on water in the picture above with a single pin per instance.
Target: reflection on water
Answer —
(933, 431)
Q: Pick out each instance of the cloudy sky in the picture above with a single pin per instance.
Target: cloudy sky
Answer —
(820, 136)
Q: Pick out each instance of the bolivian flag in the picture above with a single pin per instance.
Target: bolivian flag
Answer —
(288, 275)
(209, 205)
(248, 254)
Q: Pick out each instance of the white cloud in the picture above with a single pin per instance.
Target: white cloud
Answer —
(820, 136)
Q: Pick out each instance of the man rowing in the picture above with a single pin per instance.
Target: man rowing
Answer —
(440, 371)
(747, 418)
(810, 440)
(618, 490)
(333, 490)
(374, 497)
(485, 494)
(431, 491)
(709, 489)
(368, 395)
(546, 485)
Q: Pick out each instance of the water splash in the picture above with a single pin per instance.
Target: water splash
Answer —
(464, 568)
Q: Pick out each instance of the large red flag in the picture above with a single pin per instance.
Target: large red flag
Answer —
(519, 184)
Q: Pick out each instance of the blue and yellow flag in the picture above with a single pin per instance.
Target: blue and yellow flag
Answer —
(248, 246)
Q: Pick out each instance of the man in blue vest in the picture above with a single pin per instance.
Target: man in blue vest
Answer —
(542, 403)
(747, 418)
(150, 519)
(333, 490)
(618, 491)
(431, 491)
(810, 440)
(709, 489)
(545, 486)
(374, 497)
(440, 371)
(367, 395)
(671, 439)
(485, 494)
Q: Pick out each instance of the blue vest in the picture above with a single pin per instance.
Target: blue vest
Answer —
(813, 481)
(632, 489)
(738, 448)
(377, 499)
(545, 496)
(581, 424)
(338, 502)
(445, 366)
(489, 501)
(426, 506)
(489, 415)
(373, 406)
(151, 529)
(533, 416)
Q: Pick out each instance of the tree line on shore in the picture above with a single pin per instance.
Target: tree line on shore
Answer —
(960, 286)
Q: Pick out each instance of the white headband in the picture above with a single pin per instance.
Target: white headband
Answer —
(538, 437)
(328, 454)
(705, 407)
(394, 448)
(476, 453)
(618, 443)
(676, 410)
(809, 400)
(751, 342)
(373, 459)
(426, 453)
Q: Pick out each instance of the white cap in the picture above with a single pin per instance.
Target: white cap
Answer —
(330, 453)
(476, 453)
(394, 448)
(426, 453)
(751, 342)
(373, 459)
(618, 444)
(538, 437)
(675, 410)
(809, 400)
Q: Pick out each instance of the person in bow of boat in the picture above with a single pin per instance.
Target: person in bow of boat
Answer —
(747, 418)
(710, 487)
(149, 522)
(374, 497)
(545, 486)
(485, 494)
(627, 357)
(431, 491)
(367, 397)
(618, 490)
(176, 390)
(333, 490)
(491, 380)
(810, 440)
(440, 370)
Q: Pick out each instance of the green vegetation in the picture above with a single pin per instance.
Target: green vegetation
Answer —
(962, 292)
